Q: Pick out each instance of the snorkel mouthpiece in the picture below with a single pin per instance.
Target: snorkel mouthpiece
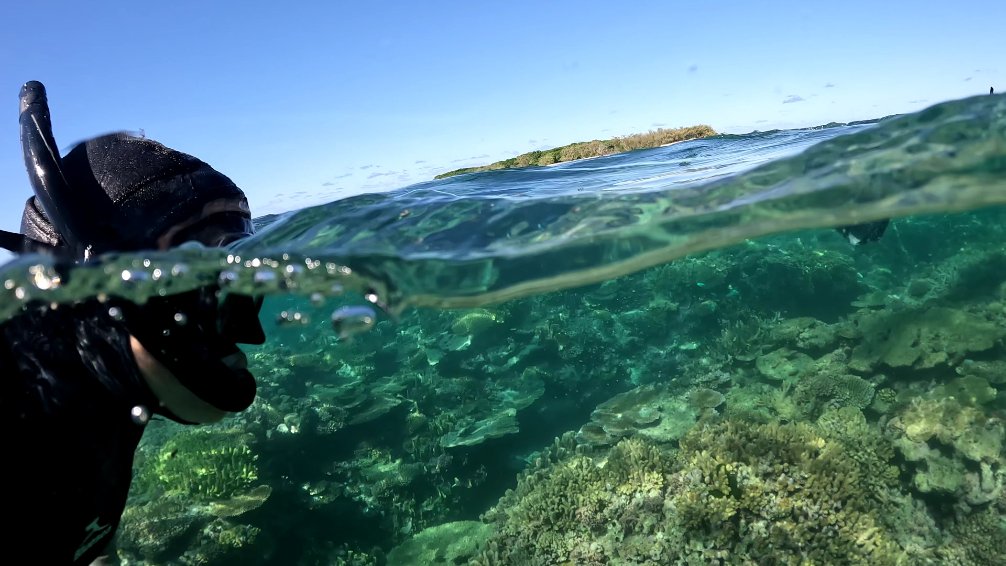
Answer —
(72, 214)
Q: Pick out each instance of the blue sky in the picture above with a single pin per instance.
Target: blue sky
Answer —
(304, 103)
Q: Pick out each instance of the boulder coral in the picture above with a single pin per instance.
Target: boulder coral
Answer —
(952, 449)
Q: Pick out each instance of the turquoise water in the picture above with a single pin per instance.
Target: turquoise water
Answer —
(661, 357)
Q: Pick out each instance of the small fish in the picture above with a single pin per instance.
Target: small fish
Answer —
(349, 321)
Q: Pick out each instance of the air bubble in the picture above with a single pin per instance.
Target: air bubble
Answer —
(115, 313)
(140, 415)
(317, 299)
(288, 318)
(180, 318)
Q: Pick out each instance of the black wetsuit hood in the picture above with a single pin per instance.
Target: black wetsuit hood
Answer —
(137, 186)
(120, 193)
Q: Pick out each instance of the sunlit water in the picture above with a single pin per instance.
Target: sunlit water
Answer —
(480, 238)
(360, 291)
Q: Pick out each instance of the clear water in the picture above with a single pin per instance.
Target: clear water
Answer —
(692, 298)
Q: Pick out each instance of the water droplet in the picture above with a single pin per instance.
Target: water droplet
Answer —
(179, 269)
(115, 313)
(166, 332)
(132, 276)
(348, 321)
(43, 280)
(140, 415)
(228, 277)
(180, 318)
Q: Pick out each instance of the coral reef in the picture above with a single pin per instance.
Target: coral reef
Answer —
(647, 411)
(922, 338)
(752, 493)
(202, 465)
(443, 545)
(954, 449)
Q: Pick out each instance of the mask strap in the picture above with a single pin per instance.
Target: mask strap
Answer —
(21, 244)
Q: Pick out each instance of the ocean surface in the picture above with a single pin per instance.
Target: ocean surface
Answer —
(667, 356)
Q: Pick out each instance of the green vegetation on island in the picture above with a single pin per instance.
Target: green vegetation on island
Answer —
(595, 148)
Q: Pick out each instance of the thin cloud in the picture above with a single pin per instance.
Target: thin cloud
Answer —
(657, 125)
(365, 167)
(693, 68)
(829, 85)
(792, 98)
(328, 184)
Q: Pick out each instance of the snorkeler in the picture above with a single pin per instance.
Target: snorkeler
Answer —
(80, 381)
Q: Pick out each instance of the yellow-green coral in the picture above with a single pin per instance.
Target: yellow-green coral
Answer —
(202, 464)
(780, 494)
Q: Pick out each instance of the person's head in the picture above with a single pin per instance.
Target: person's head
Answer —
(120, 193)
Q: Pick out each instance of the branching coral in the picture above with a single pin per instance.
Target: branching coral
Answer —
(768, 492)
(758, 494)
(203, 465)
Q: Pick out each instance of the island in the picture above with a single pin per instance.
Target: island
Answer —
(595, 148)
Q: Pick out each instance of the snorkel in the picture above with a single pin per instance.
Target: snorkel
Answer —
(74, 213)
